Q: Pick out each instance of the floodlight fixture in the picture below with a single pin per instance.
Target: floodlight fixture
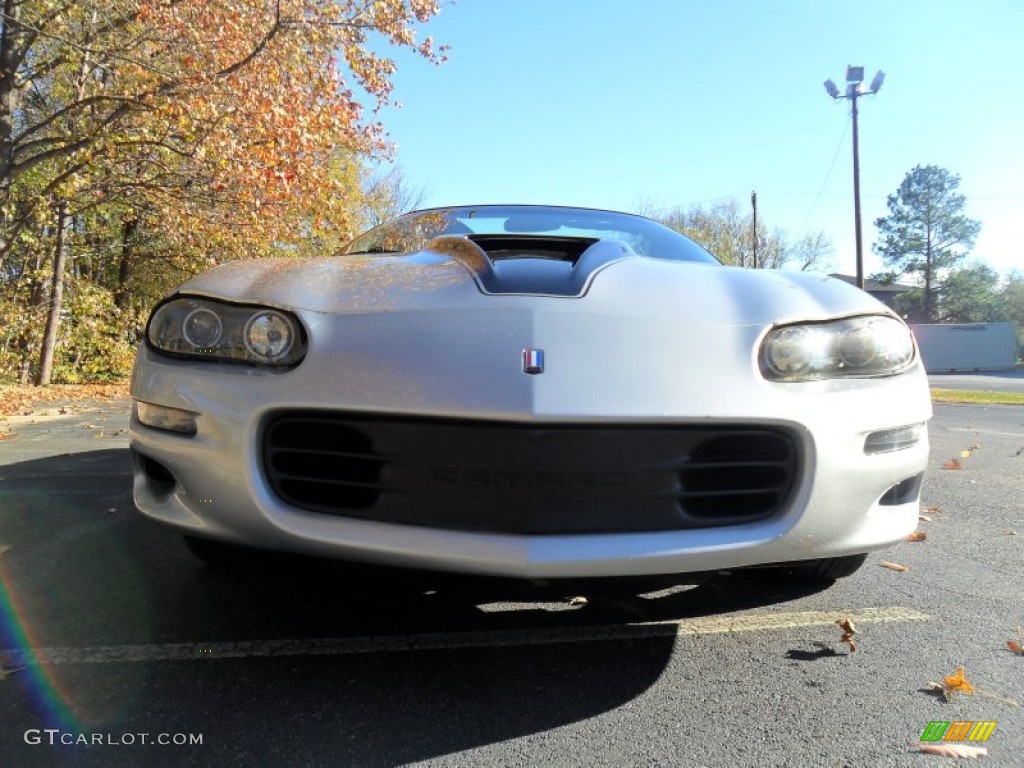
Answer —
(854, 90)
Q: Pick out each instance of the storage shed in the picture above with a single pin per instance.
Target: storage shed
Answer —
(966, 346)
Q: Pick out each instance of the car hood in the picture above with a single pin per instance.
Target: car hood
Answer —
(629, 285)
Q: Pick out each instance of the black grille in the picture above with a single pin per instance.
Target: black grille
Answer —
(512, 478)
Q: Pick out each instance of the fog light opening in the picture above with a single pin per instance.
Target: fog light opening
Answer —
(904, 492)
(160, 478)
(162, 417)
(896, 439)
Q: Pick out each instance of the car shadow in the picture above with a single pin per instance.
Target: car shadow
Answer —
(88, 571)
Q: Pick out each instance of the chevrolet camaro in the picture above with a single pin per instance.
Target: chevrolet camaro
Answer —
(532, 392)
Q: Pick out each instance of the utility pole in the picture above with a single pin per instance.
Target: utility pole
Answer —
(854, 90)
(753, 203)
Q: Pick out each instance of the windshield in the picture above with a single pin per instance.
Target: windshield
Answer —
(413, 231)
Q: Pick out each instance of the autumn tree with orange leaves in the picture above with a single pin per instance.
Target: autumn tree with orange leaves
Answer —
(176, 134)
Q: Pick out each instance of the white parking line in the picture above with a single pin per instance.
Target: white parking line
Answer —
(984, 432)
(456, 640)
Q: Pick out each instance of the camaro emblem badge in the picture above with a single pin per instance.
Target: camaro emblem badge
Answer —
(533, 361)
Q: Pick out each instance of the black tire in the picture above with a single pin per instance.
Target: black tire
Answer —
(827, 569)
(223, 555)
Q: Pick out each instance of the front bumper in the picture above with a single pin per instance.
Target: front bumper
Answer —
(212, 484)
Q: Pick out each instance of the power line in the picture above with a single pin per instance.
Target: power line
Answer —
(828, 175)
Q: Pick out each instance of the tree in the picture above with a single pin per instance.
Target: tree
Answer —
(812, 252)
(180, 133)
(727, 233)
(926, 232)
(388, 195)
(1012, 294)
(220, 111)
(971, 295)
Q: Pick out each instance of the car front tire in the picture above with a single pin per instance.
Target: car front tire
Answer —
(827, 569)
(222, 555)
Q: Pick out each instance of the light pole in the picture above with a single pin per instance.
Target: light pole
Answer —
(854, 90)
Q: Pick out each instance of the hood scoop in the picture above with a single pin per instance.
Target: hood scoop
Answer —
(531, 265)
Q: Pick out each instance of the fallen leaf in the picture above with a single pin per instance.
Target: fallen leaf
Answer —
(931, 510)
(894, 566)
(952, 750)
(848, 632)
(4, 548)
(1011, 533)
(1017, 646)
(577, 601)
(98, 434)
(917, 536)
(953, 464)
(7, 436)
(924, 518)
(62, 411)
(956, 683)
(965, 454)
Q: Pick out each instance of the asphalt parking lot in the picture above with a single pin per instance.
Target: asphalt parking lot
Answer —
(983, 381)
(113, 634)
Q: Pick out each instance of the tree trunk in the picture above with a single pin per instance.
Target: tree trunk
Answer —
(124, 271)
(56, 296)
(11, 41)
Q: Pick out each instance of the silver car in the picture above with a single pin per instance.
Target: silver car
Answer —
(533, 392)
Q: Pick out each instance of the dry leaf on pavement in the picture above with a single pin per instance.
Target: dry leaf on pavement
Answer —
(953, 750)
(848, 632)
(1017, 646)
(955, 683)
(953, 464)
(917, 536)
(894, 566)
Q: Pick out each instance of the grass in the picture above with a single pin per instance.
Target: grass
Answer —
(970, 396)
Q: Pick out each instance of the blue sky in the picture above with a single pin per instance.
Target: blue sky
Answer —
(676, 102)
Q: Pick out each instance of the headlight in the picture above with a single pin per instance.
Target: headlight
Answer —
(269, 335)
(204, 329)
(858, 346)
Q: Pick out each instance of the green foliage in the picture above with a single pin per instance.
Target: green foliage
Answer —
(93, 344)
(926, 232)
(1013, 301)
(971, 295)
